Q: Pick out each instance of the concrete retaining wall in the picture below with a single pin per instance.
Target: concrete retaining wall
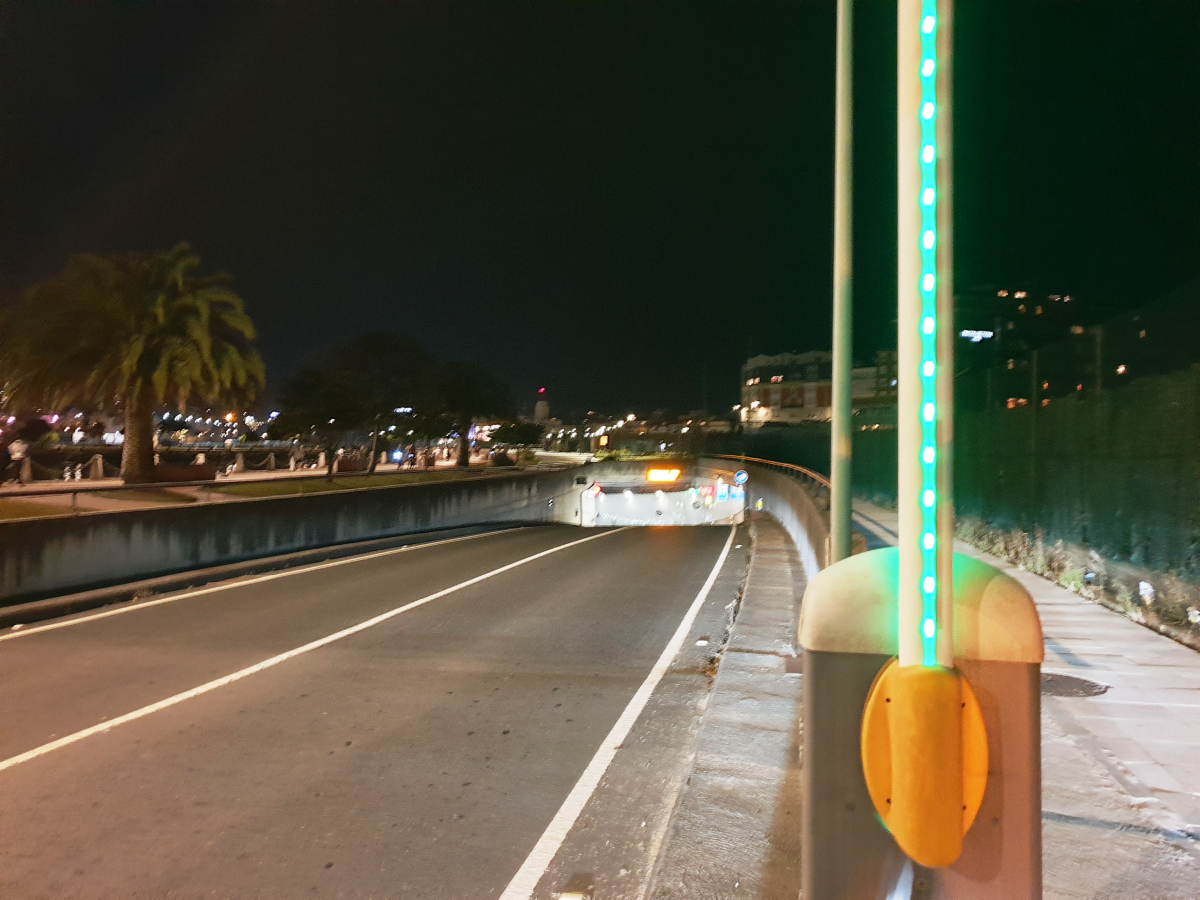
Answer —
(47, 557)
(806, 522)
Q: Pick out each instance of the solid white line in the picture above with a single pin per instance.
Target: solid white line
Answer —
(282, 657)
(229, 585)
(523, 883)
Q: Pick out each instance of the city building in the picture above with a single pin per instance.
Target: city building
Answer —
(797, 388)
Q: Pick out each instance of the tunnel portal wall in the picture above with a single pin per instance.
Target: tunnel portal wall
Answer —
(54, 556)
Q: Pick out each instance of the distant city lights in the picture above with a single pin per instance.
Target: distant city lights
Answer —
(975, 335)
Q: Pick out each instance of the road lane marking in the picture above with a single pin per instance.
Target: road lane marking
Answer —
(526, 880)
(230, 585)
(282, 657)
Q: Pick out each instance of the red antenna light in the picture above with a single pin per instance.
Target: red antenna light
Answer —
(541, 390)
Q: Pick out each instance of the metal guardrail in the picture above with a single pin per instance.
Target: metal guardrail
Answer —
(784, 468)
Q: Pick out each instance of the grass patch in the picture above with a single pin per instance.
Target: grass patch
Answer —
(284, 487)
(27, 509)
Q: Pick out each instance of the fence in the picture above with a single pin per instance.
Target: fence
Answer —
(1116, 471)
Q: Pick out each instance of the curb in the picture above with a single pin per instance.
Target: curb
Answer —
(68, 604)
(735, 828)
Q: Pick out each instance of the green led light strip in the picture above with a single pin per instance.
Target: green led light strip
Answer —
(928, 200)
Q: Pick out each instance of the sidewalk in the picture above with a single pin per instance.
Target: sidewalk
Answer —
(1120, 744)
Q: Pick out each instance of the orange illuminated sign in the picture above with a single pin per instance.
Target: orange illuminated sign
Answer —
(662, 475)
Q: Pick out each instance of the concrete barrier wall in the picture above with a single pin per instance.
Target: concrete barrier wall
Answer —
(49, 557)
(805, 521)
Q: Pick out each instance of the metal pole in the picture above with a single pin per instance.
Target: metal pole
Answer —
(840, 504)
(925, 348)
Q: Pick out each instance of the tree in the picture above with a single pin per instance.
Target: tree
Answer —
(466, 391)
(321, 406)
(137, 331)
(357, 386)
(519, 433)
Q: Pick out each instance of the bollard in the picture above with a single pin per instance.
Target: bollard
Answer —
(95, 467)
(239, 462)
(270, 462)
(849, 632)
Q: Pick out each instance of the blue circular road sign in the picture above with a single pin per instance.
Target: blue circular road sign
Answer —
(741, 476)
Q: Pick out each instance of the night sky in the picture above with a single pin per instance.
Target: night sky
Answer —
(618, 201)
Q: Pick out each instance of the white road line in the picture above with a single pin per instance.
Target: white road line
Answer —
(229, 585)
(523, 883)
(282, 657)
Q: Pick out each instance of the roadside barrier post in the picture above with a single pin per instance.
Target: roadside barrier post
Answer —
(921, 727)
(848, 630)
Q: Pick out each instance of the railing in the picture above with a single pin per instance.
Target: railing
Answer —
(784, 468)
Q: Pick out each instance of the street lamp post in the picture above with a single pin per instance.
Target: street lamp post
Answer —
(843, 290)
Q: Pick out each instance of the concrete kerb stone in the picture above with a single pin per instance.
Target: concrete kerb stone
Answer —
(735, 830)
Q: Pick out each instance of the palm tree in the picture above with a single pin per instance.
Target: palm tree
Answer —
(135, 331)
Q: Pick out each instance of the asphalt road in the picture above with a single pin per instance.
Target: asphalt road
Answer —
(422, 754)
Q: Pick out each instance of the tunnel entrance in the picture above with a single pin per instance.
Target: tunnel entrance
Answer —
(668, 494)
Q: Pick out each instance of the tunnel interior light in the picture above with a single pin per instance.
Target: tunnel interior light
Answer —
(929, 274)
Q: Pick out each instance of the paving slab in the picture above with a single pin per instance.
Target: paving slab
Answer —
(1121, 769)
